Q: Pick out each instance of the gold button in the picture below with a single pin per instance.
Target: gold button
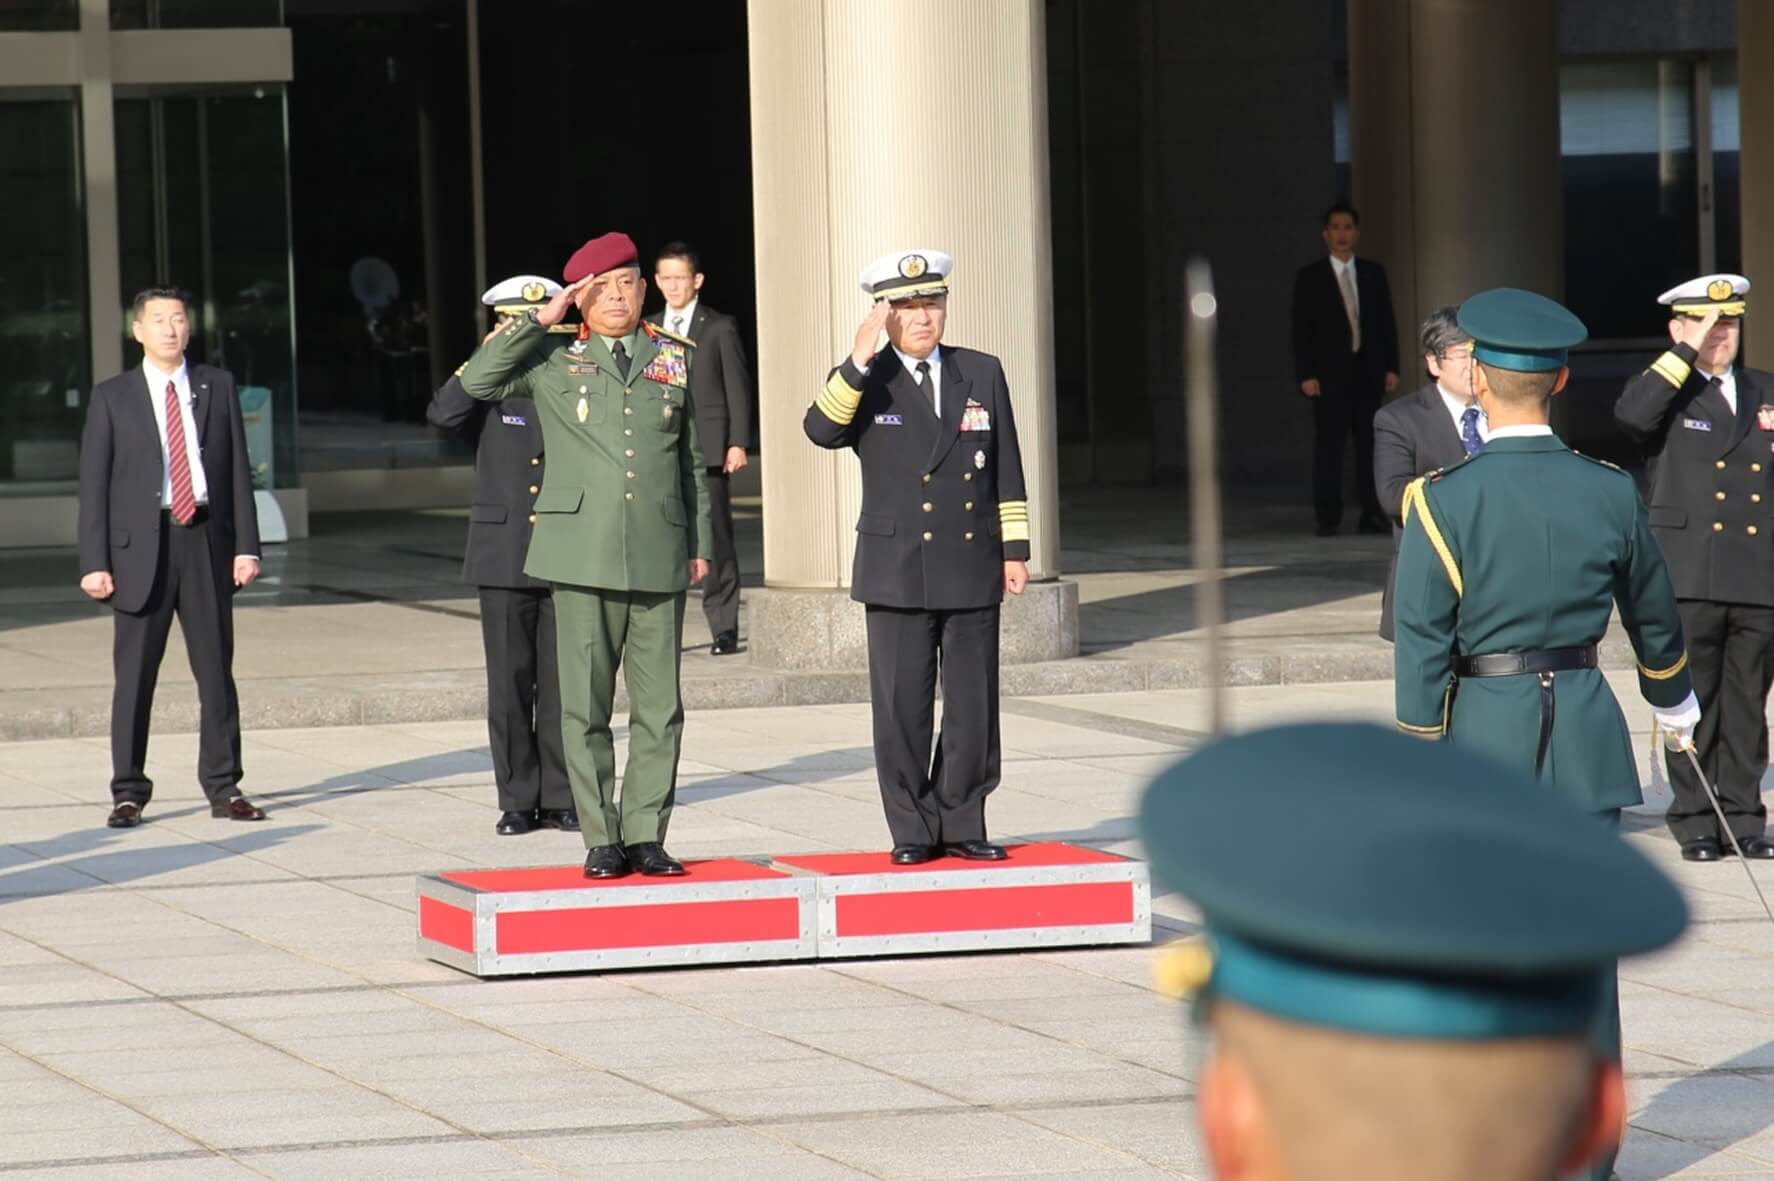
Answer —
(629, 453)
(628, 410)
(1755, 498)
(968, 476)
(1718, 496)
(927, 477)
(534, 489)
(628, 496)
(927, 536)
(631, 475)
(532, 518)
(1720, 465)
(629, 431)
(626, 393)
(926, 506)
(1718, 526)
(1751, 530)
(536, 462)
(583, 390)
(1755, 467)
(968, 536)
(968, 506)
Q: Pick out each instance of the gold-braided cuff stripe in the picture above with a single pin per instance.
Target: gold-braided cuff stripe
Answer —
(1013, 520)
(1663, 674)
(837, 401)
(1435, 731)
(1672, 369)
(1414, 495)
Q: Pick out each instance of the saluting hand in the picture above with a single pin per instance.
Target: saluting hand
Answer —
(868, 337)
(1693, 332)
(555, 310)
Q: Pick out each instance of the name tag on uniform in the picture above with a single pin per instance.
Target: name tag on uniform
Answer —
(1697, 424)
(514, 420)
(587, 370)
(889, 420)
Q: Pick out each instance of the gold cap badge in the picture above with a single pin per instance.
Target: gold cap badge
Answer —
(533, 292)
(913, 265)
(1719, 289)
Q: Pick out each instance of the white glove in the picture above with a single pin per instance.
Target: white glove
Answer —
(1677, 725)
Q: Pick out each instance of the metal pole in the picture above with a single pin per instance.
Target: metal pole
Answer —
(1200, 318)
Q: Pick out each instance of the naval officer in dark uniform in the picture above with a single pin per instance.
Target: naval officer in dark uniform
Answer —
(1707, 426)
(516, 611)
(943, 533)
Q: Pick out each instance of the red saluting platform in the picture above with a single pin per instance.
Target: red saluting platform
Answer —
(505, 922)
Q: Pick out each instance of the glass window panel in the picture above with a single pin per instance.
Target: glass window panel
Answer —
(195, 14)
(45, 343)
(39, 16)
(1628, 161)
(203, 205)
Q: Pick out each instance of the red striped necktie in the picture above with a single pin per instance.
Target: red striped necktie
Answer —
(184, 498)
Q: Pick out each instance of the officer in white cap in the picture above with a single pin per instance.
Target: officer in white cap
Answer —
(516, 611)
(943, 533)
(1707, 428)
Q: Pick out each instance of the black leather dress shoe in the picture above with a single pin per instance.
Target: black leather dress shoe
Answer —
(514, 824)
(124, 816)
(1757, 848)
(236, 808)
(565, 819)
(976, 850)
(606, 861)
(651, 859)
(726, 644)
(913, 854)
(1702, 849)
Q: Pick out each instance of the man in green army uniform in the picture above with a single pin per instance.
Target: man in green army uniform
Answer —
(1509, 567)
(1388, 1017)
(621, 530)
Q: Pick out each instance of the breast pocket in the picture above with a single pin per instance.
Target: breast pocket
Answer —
(597, 405)
(559, 500)
(668, 413)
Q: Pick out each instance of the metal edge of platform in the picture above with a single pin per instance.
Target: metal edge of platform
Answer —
(902, 882)
(805, 947)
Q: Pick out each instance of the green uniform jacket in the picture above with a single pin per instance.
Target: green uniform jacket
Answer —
(624, 505)
(1526, 546)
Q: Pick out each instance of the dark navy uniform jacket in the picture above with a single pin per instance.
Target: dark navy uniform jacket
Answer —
(943, 502)
(507, 477)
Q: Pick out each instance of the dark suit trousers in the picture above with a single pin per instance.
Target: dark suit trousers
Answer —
(1728, 653)
(187, 583)
(1339, 414)
(720, 590)
(934, 798)
(524, 699)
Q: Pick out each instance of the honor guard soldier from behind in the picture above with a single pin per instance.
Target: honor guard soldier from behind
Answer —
(943, 532)
(1707, 428)
(621, 533)
(1510, 566)
(1378, 1017)
(516, 611)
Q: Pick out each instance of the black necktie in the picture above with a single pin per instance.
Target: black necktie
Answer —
(621, 355)
(929, 386)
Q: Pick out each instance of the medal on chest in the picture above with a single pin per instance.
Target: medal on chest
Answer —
(1765, 417)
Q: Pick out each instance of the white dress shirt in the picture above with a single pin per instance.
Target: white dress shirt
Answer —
(1457, 411)
(935, 361)
(687, 314)
(181, 381)
(1338, 266)
(1727, 385)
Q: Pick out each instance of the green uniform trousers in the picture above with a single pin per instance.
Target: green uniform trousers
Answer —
(596, 631)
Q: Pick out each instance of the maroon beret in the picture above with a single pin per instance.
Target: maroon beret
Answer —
(603, 253)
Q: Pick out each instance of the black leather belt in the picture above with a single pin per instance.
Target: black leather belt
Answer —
(1515, 664)
(1542, 663)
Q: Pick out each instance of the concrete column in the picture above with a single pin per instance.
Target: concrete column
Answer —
(98, 146)
(1454, 134)
(859, 148)
(1755, 114)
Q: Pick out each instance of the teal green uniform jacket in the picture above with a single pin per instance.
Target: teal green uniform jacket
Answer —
(1527, 546)
(623, 505)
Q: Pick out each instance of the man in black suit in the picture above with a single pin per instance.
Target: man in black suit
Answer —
(943, 533)
(1435, 427)
(168, 526)
(1345, 359)
(1707, 427)
(516, 611)
(720, 391)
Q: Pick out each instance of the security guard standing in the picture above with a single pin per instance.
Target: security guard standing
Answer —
(1510, 565)
(621, 532)
(1707, 428)
(943, 532)
(1434, 1031)
(516, 611)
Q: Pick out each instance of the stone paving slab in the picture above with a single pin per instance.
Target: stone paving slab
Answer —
(195, 999)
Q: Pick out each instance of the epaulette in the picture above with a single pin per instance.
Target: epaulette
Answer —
(655, 331)
(1613, 467)
(1440, 472)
